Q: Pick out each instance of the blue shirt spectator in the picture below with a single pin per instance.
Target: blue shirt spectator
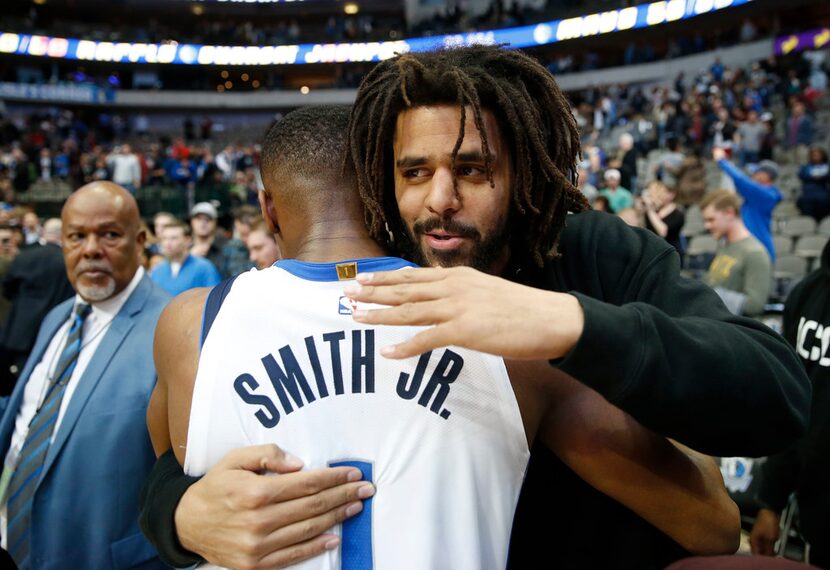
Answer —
(760, 196)
(193, 272)
(181, 271)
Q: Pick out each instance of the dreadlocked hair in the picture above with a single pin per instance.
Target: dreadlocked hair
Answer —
(533, 116)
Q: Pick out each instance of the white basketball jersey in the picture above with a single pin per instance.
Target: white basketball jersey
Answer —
(439, 435)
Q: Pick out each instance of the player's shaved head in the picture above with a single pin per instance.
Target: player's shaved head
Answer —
(303, 156)
(310, 203)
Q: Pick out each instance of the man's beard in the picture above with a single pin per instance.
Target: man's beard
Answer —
(484, 253)
(94, 293)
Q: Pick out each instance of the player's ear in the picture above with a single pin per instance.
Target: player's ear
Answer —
(269, 212)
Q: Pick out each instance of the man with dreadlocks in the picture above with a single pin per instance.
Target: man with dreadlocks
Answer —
(466, 157)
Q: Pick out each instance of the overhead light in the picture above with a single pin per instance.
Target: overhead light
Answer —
(228, 84)
(41, 2)
(304, 89)
(255, 84)
(197, 10)
(224, 74)
(351, 8)
(220, 88)
(244, 77)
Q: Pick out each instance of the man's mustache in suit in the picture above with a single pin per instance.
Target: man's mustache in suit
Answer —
(85, 266)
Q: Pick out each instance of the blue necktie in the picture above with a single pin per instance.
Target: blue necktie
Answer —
(33, 453)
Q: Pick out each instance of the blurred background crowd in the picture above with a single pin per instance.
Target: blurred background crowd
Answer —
(704, 131)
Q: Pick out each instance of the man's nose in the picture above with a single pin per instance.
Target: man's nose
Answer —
(443, 197)
(92, 246)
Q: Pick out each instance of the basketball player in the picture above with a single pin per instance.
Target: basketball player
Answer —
(441, 435)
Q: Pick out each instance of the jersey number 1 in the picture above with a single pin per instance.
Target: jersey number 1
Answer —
(356, 539)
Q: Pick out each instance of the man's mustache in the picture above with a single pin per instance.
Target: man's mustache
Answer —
(102, 266)
(446, 225)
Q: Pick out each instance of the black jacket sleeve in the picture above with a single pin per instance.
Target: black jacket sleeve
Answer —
(779, 476)
(665, 349)
(159, 498)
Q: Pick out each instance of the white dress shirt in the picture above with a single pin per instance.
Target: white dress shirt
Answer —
(95, 328)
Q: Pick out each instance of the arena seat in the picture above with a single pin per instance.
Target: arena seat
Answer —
(783, 244)
(785, 210)
(810, 247)
(799, 226)
(702, 244)
(790, 267)
(700, 253)
(693, 227)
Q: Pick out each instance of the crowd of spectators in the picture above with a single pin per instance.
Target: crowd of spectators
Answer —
(59, 145)
(646, 149)
(218, 29)
(750, 115)
(748, 112)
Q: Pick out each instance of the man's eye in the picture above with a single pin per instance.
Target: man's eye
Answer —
(414, 173)
(111, 235)
(469, 171)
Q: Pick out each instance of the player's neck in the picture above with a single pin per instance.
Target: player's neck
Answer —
(328, 241)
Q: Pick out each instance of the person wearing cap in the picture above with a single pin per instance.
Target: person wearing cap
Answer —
(759, 193)
(619, 198)
(207, 242)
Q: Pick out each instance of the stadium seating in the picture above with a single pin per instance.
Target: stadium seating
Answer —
(783, 244)
(798, 226)
(810, 247)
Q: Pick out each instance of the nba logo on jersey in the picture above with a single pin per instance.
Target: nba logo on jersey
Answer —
(347, 306)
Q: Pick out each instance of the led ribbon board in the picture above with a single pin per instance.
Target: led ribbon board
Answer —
(642, 16)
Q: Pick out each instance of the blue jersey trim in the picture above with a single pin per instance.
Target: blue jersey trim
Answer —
(213, 303)
(328, 271)
(356, 551)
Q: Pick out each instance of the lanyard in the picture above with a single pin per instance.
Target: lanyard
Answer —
(50, 383)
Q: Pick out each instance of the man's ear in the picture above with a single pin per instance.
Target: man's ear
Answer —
(269, 212)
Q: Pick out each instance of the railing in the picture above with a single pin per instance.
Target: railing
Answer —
(48, 198)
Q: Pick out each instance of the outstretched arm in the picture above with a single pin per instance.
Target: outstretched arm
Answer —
(745, 185)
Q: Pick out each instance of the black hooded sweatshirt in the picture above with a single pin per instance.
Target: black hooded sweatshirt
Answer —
(805, 467)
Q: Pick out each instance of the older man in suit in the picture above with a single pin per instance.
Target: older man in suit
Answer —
(73, 436)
